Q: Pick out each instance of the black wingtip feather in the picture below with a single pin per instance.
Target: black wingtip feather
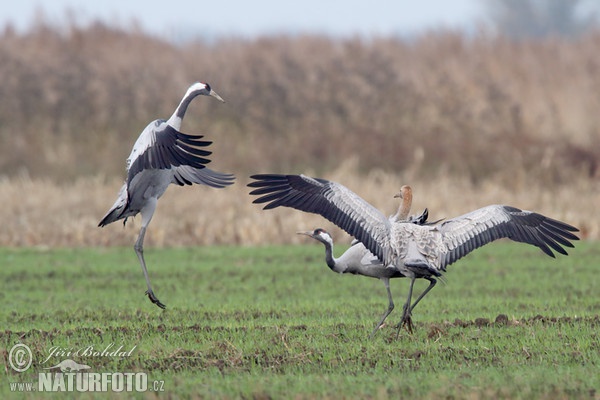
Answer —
(265, 190)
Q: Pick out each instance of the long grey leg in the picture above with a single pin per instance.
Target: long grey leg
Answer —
(386, 282)
(147, 212)
(408, 320)
(406, 313)
(432, 283)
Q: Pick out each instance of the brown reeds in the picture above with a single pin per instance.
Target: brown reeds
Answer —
(465, 121)
(43, 213)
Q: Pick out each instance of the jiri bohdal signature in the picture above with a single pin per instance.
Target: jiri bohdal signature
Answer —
(109, 350)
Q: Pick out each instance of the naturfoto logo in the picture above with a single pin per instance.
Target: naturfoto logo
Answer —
(71, 376)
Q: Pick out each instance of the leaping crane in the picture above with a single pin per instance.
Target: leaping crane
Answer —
(163, 155)
(414, 251)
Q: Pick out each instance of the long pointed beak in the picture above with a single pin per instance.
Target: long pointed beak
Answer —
(216, 95)
(305, 233)
(398, 195)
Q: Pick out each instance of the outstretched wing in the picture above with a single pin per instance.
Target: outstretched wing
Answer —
(463, 234)
(160, 146)
(331, 200)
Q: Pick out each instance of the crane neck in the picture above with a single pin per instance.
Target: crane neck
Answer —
(405, 205)
(329, 259)
(177, 117)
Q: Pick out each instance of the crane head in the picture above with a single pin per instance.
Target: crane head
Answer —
(204, 89)
(319, 234)
(405, 192)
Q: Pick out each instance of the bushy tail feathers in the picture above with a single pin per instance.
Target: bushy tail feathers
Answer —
(116, 212)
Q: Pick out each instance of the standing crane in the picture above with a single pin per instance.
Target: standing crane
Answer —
(414, 251)
(358, 260)
(163, 155)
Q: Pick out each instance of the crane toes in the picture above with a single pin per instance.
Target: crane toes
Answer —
(406, 322)
(154, 299)
(409, 324)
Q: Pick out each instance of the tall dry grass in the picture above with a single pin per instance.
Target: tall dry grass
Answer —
(42, 213)
(466, 121)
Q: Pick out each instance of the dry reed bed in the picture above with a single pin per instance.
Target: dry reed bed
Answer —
(477, 107)
(42, 213)
(466, 121)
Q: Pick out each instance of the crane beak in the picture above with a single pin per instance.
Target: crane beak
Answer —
(216, 95)
(398, 195)
(305, 233)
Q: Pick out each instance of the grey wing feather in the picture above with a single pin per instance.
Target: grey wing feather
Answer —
(331, 200)
(171, 148)
(186, 175)
(468, 232)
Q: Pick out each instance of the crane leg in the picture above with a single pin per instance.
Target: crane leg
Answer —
(406, 312)
(147, 212)
(432, 283)
(386, 282)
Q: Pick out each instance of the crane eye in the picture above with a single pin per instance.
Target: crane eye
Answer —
(207, 87)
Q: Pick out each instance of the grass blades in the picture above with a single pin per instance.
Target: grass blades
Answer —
(272, 322)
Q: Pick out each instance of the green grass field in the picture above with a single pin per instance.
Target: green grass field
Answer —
(274, 322)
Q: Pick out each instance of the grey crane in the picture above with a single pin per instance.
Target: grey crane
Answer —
(415, 251)
(358, 260)
(163, 155)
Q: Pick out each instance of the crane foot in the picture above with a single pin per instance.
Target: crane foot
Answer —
(154, 299)
(406, 322)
